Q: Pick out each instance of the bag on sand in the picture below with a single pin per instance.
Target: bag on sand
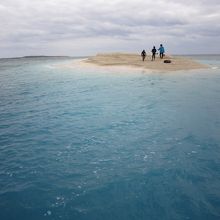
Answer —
(167, 61)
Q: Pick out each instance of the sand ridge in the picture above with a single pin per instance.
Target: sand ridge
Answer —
(135, 60)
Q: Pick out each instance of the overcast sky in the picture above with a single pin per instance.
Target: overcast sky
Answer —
(76, 27)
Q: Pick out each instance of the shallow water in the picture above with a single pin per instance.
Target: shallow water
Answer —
(89, 144)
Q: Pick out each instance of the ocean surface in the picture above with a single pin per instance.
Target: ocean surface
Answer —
(84, 143)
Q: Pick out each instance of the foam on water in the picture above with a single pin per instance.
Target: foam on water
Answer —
(214, 67)
(87, 143)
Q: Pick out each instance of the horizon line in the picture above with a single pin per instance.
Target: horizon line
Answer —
(68, 56)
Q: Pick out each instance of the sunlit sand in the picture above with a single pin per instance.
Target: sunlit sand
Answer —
(135, 60)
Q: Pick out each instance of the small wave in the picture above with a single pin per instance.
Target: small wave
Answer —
(48, 213)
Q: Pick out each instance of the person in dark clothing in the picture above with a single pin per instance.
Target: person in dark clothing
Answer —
(154, 50)
(143, 54)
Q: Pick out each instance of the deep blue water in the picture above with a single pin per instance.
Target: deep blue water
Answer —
(81, 144)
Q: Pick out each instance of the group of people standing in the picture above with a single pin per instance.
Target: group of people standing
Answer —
(154, 51)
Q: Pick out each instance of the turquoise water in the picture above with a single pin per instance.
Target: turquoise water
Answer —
(88, 144)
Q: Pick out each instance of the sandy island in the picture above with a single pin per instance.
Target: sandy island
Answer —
(134, 60)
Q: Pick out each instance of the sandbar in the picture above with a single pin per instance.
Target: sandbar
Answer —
(135, 60)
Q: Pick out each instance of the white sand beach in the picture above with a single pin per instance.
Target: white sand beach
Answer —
(135, 60)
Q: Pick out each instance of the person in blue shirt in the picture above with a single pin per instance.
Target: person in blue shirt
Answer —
(162, 51)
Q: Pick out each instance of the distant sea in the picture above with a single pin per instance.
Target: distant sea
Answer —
(87, 144)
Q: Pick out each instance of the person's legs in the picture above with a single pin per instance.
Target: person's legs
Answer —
(153, 56)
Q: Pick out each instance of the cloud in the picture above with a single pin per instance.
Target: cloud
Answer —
(54, 26)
